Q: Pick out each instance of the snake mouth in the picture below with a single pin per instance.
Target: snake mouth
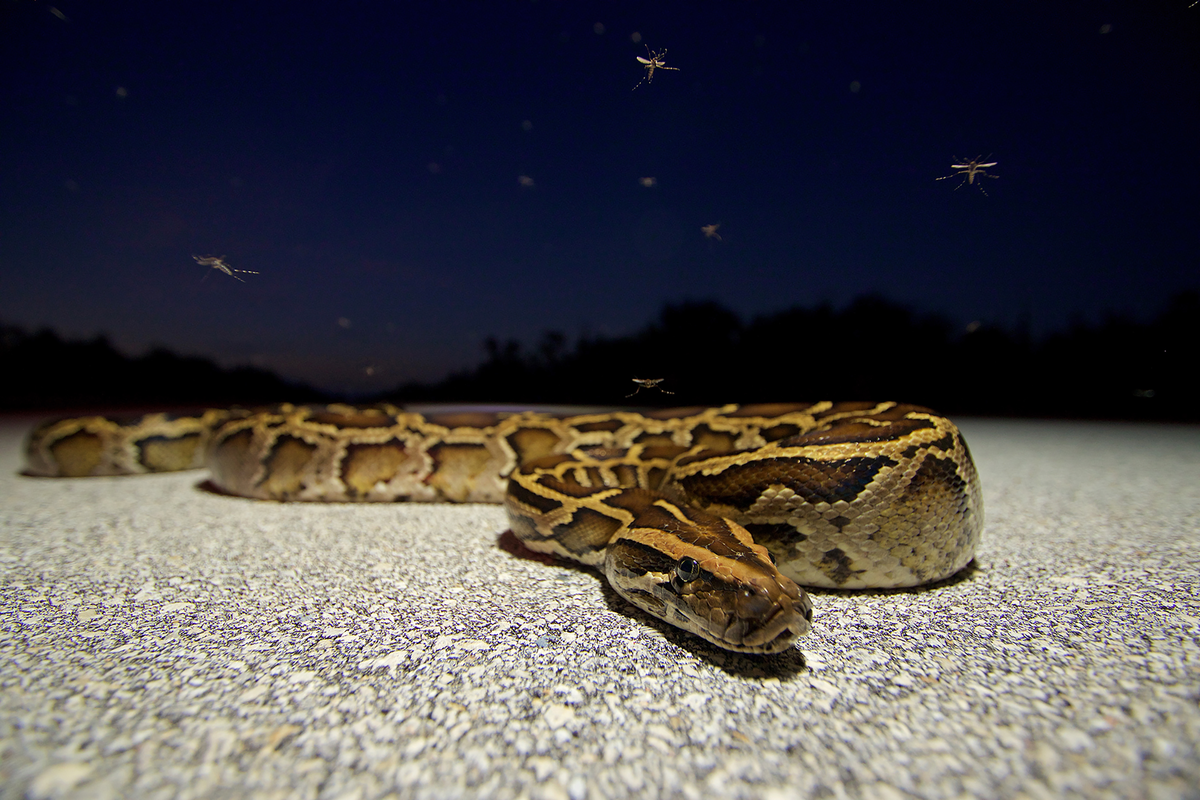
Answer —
(776, 634)
(783, 629)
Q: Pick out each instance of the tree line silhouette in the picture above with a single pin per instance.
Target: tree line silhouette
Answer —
(42, 371)
(873, 349)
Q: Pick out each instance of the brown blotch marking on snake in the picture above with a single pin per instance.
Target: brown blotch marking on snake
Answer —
(229, 452)
(713, 534)
(966, 451)
(626, 475)
(630, 499)
(534, 500)
(569, 488)
(654, 477)
(648, 602)
(594, 477)
(126, 420)
(456, 467)
(635, 558)
(814, 481)
(777, 432)
(357, 418)
(945, 444)
(523, 528)
(854, 431)
(286, 466)
(654, 439)
(774, 533)
(531, 443)
(601, 453)
(171, 416)
(837, 565)
(168, 454)
(858, 405)
(768, 409)
(546, 462)
(465, 419)
(696, 529)
(366, 465)
(936, 491)
(672, 413)
(78, 454)
(610, 426)
(709, 439)
(935, 473)
(667, 451)
(656, 474)
(588, 532)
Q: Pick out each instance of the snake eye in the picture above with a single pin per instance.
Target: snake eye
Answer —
(687, 569)
(771, 556)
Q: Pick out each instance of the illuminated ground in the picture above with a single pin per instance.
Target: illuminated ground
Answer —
(160, 640)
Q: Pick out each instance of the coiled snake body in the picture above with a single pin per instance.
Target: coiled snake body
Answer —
(705, 517)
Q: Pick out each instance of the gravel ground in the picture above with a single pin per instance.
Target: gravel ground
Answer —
(158, 640)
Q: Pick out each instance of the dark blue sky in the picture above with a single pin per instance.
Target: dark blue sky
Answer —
(364, 158)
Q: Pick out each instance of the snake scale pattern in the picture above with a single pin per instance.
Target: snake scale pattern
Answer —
(708, 518)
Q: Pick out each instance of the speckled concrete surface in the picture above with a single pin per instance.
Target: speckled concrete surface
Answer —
(162, 641)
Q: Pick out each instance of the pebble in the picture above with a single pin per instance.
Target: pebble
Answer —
(55, 781)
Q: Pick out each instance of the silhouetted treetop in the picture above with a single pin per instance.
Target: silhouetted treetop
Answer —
(45, 372)
(873, 349)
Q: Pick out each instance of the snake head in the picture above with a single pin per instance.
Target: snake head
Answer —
(706, 575)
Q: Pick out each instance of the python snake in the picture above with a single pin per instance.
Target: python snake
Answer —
(708, 518)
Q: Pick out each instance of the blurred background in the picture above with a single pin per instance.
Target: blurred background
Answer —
(491, 202)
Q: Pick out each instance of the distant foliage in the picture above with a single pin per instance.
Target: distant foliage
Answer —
(43, 371)
(873, 349)
(706, 355)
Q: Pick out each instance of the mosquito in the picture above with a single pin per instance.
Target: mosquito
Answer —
(971, 169)
(710, 231)
(648, 383)
(218, 263)
(655, 61)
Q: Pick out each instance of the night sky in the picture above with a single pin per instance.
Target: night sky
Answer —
(409, 178)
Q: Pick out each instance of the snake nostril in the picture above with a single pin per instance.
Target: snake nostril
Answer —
(751, 604)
